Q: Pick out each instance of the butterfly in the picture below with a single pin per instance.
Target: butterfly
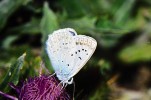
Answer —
(69, 52)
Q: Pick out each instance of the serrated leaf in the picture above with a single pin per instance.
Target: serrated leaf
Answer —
(35, 66)
(135, 53)
(13, 73)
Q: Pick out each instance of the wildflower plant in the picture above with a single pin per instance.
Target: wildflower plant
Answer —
(42, 87)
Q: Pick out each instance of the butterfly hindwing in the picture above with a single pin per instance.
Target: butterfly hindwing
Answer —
(85, 47)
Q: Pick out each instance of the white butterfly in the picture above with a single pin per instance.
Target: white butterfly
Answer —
(69, 52)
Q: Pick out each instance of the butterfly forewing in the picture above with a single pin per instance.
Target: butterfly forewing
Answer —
(85, 47)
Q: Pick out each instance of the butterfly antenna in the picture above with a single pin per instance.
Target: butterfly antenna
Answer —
(73, 89)
(59, 85)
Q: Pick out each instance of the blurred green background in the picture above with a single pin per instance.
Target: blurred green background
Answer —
(120, 68)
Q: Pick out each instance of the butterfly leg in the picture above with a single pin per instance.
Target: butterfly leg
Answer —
(63, 85)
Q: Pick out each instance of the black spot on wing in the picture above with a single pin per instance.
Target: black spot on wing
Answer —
(72, 33)
(80, 58)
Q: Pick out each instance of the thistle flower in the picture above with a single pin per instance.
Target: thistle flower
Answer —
(39, 88)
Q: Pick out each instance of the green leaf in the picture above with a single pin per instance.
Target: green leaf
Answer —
(83, 24)
(79, 8)
(7, 7)
(13, 73)
(7, 42)
(48, 24)
(74, 8)
(49, 21)
(123, 10)
(109, 40)
(135, 53)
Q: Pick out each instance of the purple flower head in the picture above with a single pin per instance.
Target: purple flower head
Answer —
(40, 88)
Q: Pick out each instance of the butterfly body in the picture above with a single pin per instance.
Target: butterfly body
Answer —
(69, 52)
